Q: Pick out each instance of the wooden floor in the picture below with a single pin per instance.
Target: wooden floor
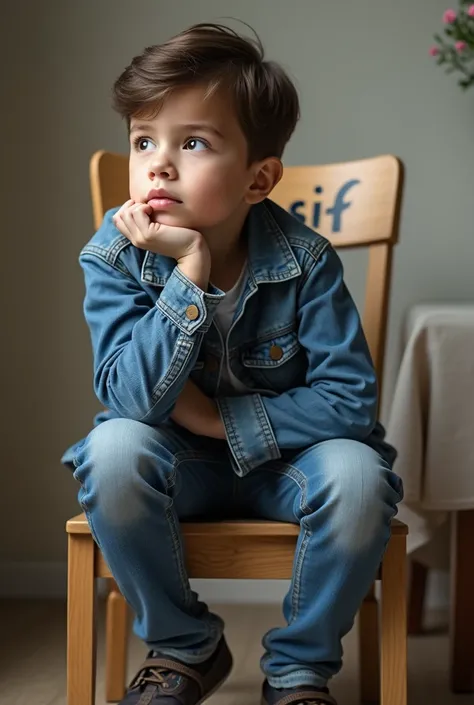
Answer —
(32, 658)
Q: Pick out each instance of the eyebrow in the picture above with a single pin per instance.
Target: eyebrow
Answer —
(195, 126)
(139, 127)
(203, 126)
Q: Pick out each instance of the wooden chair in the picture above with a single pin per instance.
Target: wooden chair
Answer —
(361, 208)
(461, 626)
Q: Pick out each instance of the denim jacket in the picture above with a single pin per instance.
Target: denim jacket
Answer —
(296, 341)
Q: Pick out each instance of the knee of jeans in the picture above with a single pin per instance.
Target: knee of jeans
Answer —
(118, 469)
(360, 494)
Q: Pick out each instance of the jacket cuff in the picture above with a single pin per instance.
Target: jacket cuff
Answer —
(190, 308)
(249, 432)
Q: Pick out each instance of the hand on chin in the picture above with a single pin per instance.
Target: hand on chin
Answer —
(165, 219)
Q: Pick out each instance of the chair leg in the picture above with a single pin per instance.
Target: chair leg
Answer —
(81, 627)
(116, 645)
(416, 597)
(393, 658)
(462, 605)
(369, 678)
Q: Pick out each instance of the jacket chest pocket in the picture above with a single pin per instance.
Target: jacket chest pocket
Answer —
(278, 363)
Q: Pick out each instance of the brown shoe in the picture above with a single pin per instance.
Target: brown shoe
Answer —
(164, 681)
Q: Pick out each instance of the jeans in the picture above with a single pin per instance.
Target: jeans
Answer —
(138, 482)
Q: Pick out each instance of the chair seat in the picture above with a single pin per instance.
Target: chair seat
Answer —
(237, 549)
(238, 527)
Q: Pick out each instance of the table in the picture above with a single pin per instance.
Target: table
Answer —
(432, 426)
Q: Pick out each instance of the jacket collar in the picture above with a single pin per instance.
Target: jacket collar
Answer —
(270, 259)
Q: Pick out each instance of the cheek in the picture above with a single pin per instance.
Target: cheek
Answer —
(137, 178)
(217, 188)
(134, 186)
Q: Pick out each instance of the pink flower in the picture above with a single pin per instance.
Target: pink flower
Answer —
(470, 11)
(460, 46)
(449, 17)
(434, 51)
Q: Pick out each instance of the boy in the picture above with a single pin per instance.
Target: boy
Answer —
(237, 379)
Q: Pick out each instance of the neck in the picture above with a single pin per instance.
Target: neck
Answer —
(228, 250)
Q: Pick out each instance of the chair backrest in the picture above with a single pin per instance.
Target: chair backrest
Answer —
(353, 204)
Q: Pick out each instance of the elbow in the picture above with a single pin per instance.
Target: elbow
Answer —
(360, 419)
(355, 415)
(133, 404)
(365, 423)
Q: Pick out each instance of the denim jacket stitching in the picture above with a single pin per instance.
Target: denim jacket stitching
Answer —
(290, 258)
(184, 327)
(274, 333)
(265, 425)
(315, 258)
(104, 254)
(234, 442)
(182, 351)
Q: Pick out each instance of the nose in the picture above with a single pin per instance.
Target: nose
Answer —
(161, 167)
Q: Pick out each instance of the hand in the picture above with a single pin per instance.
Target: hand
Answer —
(198, 413)
(133, 221)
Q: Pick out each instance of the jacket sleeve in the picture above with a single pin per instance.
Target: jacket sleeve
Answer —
(144, 350)
(340, 396)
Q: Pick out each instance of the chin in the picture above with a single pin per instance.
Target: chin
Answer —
(165, 218)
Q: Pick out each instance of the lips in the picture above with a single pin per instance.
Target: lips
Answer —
(161, 195)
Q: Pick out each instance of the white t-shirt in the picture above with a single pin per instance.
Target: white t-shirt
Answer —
(229, 384)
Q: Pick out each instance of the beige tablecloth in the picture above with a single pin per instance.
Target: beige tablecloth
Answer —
(432, 425)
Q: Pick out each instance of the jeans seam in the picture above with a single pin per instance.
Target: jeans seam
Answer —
(178, 458)
(283, 468)
(178, 554)
(297, 476)
(89, 518)
(295, 600)
(185, 456)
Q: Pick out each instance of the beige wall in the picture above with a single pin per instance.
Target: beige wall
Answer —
(367, 87)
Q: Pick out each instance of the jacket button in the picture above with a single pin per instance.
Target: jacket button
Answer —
(276, 353)
(192, 312)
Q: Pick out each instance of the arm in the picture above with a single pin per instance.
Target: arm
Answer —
(143, 350)
(198, 413)
(340, 396)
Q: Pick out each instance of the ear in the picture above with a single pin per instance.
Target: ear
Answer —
(266, 175)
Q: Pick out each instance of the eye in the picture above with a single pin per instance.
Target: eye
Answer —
(194, 144)
(143, 144)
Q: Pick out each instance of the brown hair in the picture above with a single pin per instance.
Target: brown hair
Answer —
(265, 99)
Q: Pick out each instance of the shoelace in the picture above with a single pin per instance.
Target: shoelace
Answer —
(152, 676)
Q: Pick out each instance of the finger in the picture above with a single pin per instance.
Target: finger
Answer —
(122, 209)
(124, 206)
(123, 228)
(137, 207)
(130, 223)
(141, 218)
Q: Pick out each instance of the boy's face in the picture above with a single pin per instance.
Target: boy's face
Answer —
(190, 162)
